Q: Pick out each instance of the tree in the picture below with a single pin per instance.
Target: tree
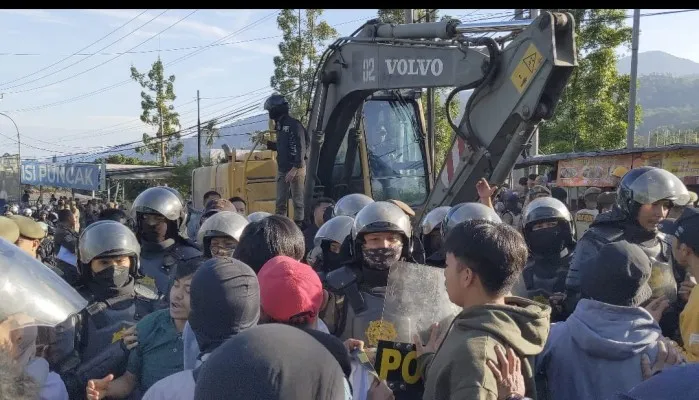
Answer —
(123, 160)
(158, 112)
(210, 132)
(392, 15)
(303, 36)
(593, 110)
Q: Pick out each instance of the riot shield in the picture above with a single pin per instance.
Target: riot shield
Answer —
(416, 297)
(31, 293)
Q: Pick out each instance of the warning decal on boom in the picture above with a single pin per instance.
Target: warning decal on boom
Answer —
(525, 70)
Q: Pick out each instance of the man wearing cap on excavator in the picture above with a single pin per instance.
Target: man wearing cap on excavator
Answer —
(291, 145)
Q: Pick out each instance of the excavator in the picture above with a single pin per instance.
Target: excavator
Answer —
(366, 126)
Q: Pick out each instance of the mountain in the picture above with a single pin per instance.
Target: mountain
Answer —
(668, 102)
(659, 62)
(236, 135)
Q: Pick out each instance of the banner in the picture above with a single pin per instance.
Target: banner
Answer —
(653, 159)
(684, 164)
(9, 179)
(591, 171)
(71, 176)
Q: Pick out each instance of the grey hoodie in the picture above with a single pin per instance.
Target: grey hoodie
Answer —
(596, 352)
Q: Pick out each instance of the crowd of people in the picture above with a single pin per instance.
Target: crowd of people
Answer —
(224, 304)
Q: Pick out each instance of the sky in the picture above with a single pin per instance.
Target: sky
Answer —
(70, 92)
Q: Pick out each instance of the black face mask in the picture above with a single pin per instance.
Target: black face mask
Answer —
(154, 233)
(112, 277)
(332, 260)
(546, 242)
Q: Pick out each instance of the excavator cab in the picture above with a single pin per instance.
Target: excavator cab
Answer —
(365, 123)
(383, 154)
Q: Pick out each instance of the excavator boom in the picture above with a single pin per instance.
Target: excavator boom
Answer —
(515, 88)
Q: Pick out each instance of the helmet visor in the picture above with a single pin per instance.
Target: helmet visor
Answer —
(658, 184)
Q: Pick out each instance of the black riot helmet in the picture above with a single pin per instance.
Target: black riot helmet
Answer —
(467, 212)
(548, 209)
(276, 105)
(647, 185)
(107, 238)
(337, 229)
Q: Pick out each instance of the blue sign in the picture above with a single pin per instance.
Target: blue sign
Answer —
(72, 176)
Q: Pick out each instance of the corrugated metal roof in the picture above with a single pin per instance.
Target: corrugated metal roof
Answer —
(552, 158)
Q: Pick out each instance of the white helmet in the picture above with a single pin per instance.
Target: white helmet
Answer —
(27, 212)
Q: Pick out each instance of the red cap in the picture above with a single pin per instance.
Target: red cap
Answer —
(290, 290)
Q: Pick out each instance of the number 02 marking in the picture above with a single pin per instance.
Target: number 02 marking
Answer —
(368, 70)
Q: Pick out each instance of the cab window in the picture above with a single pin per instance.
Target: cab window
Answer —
(394, 145)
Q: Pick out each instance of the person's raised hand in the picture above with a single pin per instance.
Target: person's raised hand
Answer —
(484, 189)
(97, 388)
(432, 343)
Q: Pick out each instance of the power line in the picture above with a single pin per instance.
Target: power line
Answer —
(140, 123)
(76, 53)
(108, 61)
(127, 81)
(225, 117)
(83, 59)
(171, 49)
(237, 113)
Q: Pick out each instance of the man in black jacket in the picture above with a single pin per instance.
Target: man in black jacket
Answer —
(291, 156)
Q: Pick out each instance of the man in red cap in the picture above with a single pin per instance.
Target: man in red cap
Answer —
(291, 293)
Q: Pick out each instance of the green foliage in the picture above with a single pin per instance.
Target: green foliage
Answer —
(669, 104)
(443, 132)
(158, 112)
(391, 16)
(210, 132)
(304, 36)
(593, 110)
(182, 175)
(123, 160)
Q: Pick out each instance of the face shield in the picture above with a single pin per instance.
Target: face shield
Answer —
(32, 294)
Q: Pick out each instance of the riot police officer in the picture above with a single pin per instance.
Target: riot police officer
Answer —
(257, 216)
(24, 280)
(644, 198)
(160, 213)
(351, 204)
(549, 232)
(467, 212)
(381, 236)
(430, 236)
(108, 261)
(332, 244)
(291, 146)
(219, 235)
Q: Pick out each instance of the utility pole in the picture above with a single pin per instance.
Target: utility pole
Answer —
(431, 114)
(408, 15)
(631, 128)
(19, 148)
(198, 130)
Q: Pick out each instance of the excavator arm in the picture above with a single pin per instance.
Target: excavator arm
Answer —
(515, 88)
